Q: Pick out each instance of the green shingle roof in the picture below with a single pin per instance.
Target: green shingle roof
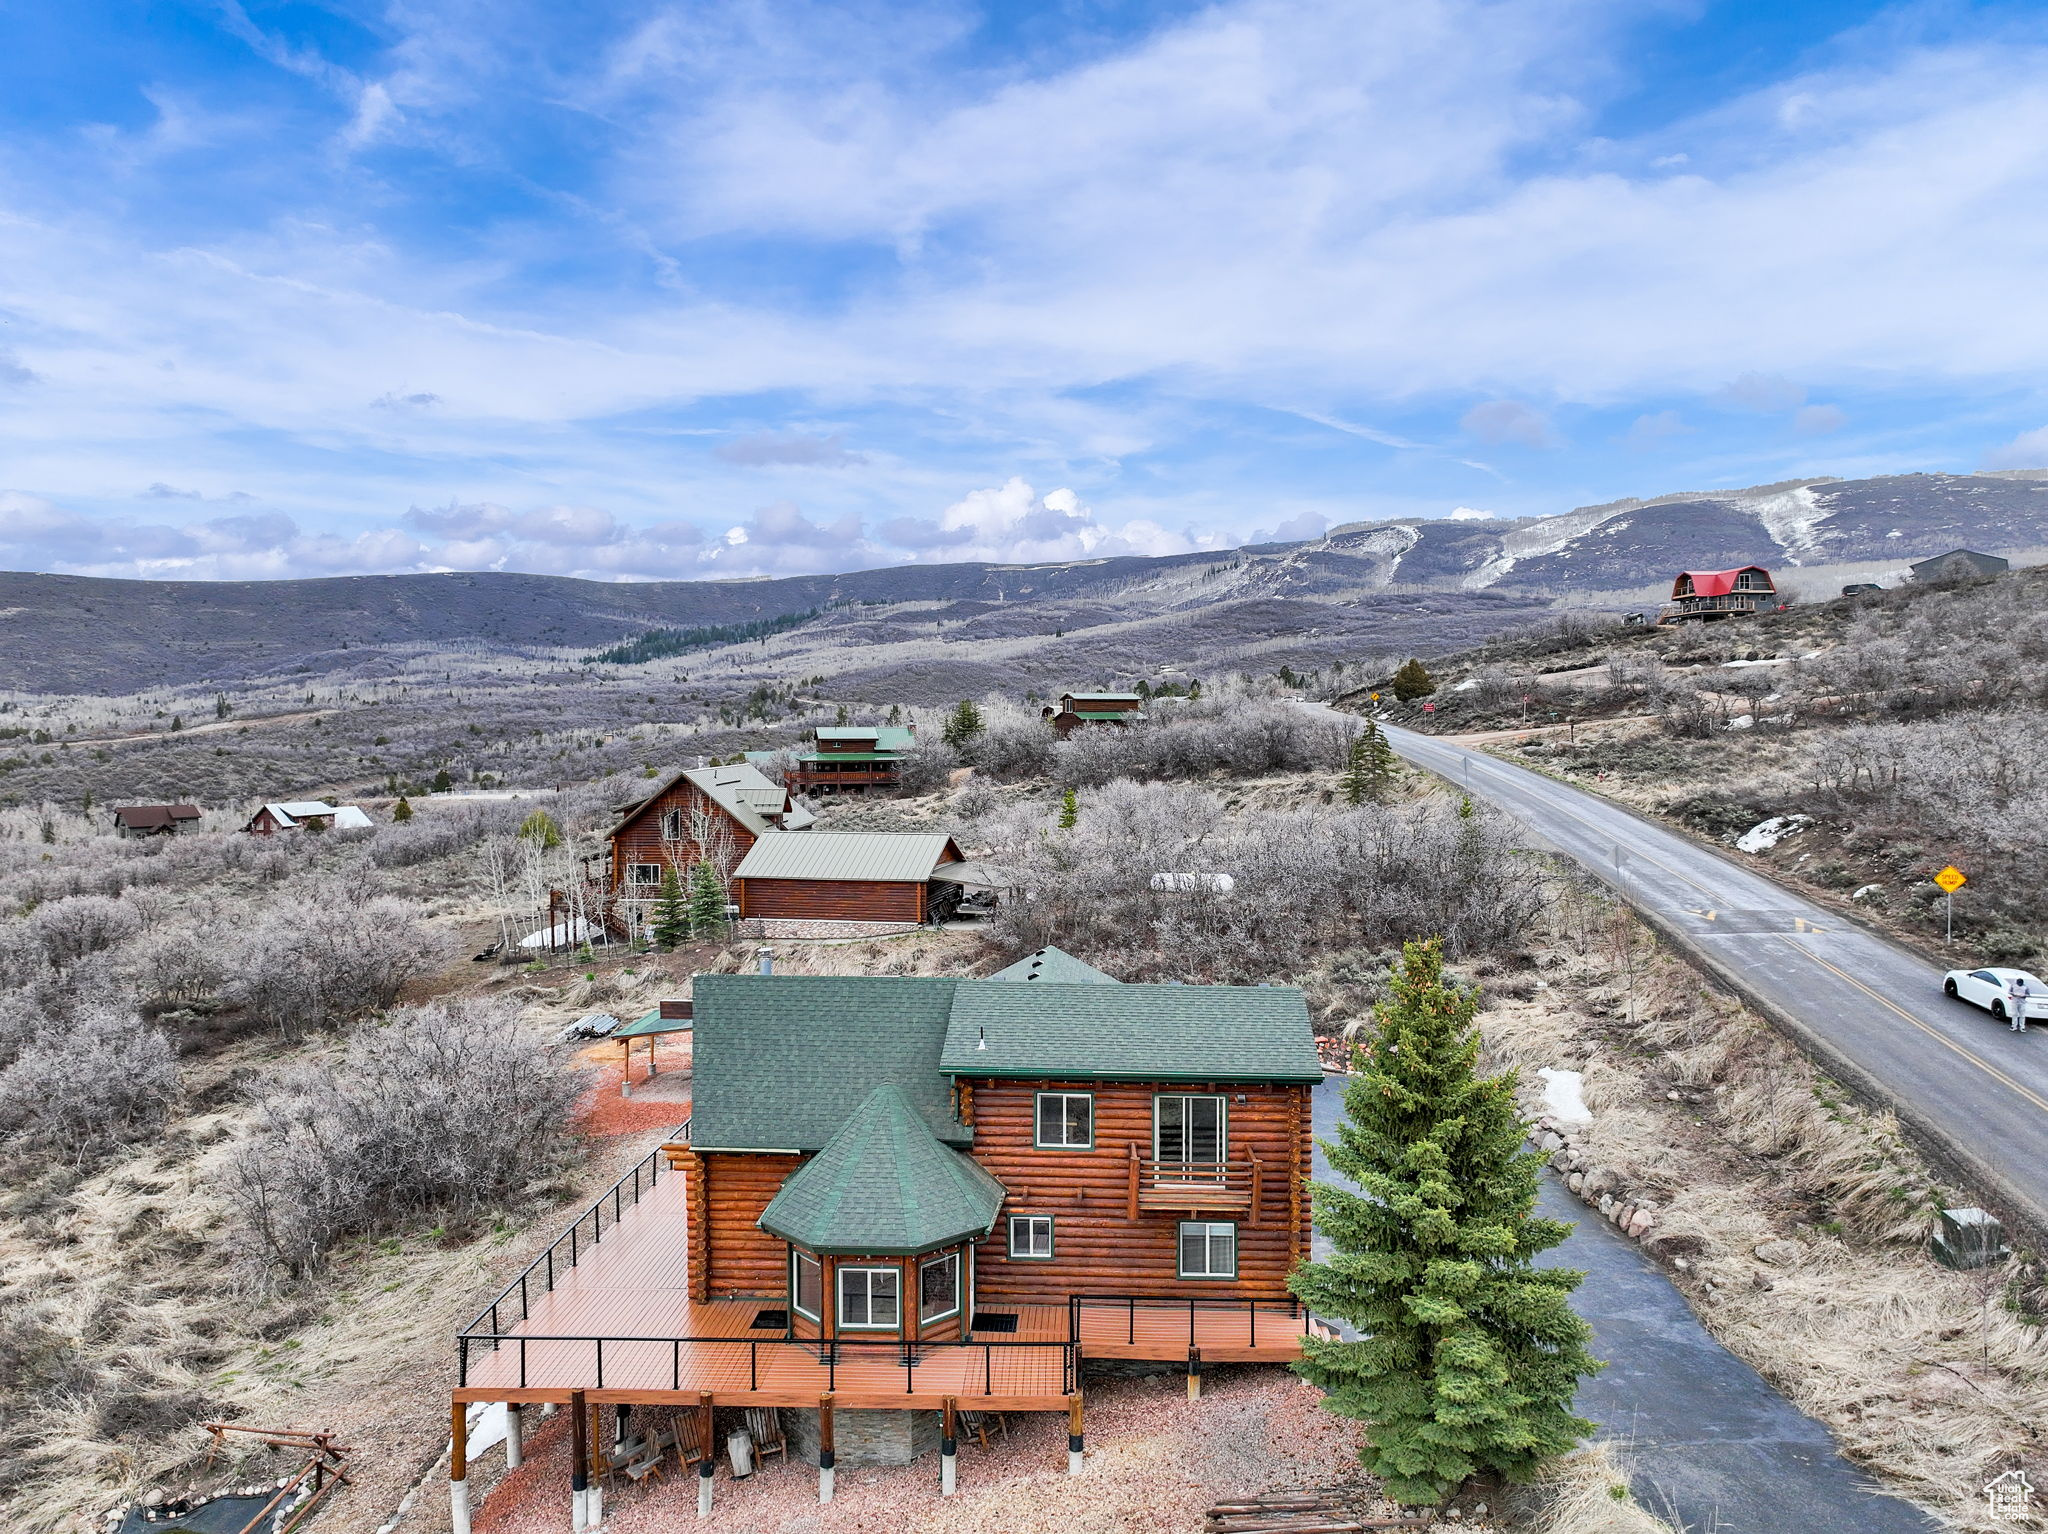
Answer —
(652, 1023)
(780, 1061)
(1054, 964)
(889, 857)
(1130, 1032)
(883, 1186)
(887, 737)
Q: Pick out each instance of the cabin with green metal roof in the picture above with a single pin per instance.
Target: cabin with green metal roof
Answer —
(852, 757)
(1076, 710)
(895, 1151)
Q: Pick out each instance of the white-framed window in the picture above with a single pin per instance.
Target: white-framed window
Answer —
(806, 1284)
(1207, 1249)
(870, 1299)
(1066, 1121)
(672, 825)
(644, 873)
(1031, 1237)
(938, 1287)
(1189, 1128)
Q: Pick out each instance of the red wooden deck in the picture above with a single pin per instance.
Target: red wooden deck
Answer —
(621, 1327)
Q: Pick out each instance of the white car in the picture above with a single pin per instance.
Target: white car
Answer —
(1986, 988)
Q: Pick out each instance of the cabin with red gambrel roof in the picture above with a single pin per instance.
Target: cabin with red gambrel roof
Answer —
(1706, 595)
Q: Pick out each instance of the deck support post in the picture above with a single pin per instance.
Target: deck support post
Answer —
(949, 1446)
(1194, 1374)
(825, 1467)
(515, 1436)
(593, 1499)
(1076, 1444)
(458, 1469)
(579, 1464)
(706, 1428)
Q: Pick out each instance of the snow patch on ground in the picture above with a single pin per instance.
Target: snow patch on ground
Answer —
(1766, 834)
(1866, 891)
(1742, 721)
(1790, 517)
(1564, 1095)
(1467, 685)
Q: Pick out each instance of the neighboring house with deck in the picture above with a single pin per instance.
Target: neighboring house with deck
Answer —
(864, 878)
(901, 1195)
(139, 820)
(307, 814)
(1077, 710)
(850, 757)
(698, 814)
(1706, 595)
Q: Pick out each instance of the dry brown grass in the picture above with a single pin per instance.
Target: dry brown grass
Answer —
(1587, 1493)
(1926, 1376)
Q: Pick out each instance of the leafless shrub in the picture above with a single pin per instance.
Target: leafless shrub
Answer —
(926, 766)
(78, 925)
(79, 1093)
(178, 964)
(447, 1111)
(1244, 739)
(324, 958)
(1139, 878)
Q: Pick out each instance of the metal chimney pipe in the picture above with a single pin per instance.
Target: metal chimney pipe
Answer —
(767, 961)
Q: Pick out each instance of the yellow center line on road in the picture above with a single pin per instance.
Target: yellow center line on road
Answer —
(1885, 1001)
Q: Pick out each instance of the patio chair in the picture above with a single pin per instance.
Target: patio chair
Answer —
(764, 1425)
(979, 1424)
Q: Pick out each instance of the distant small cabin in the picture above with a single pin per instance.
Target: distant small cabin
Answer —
(1077, 709)
(1706, 595)
(868, 877)
(1959, 564)
(856, 757)
(307, 814)
(137, 820)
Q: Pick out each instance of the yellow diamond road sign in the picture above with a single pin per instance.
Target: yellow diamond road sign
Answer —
(1951, 879)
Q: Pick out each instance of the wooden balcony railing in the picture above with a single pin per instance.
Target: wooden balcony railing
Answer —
(1232, 1186)
(841, 777)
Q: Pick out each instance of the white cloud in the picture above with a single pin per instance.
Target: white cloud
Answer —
(1471, 514)
(1764, 393)
(1658, 426)
(1819, 420)
(2029, 450)
(1012, 524)
(1504, 420)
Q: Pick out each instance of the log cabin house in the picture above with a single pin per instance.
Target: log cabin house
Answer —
(898, 1198)
(1075, 710)
(1708, 595)
(878, 878)
(714, 813)
(847, 758)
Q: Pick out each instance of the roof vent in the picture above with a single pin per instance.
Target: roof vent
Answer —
(981, 1037)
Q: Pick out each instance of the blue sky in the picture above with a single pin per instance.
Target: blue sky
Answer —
(647, 290)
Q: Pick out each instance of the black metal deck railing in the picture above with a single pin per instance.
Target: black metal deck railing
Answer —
(567, 1249)
(1128, 1306)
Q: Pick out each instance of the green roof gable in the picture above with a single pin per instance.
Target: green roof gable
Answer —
(1054, 964)
(883, 1186)
(1130, 1032)
(778, 1062)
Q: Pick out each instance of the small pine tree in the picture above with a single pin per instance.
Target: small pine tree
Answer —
(1194, 689)
(442, 782)
(401, 812)
(962, 725)
(671, 924)
(540, 829)
(1413, 681)
(221, 706)
(895, 713)
(1070, 810)
(707, 901)
(1356, 788)
(178, 721)
(1470, 1355)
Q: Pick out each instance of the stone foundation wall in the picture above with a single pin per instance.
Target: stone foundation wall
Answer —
(865, 1437)
(766, 926)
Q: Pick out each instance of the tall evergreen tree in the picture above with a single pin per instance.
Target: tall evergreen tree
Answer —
(671, 924)
(1470, 1355)
(707, 901)
(442, 782)
(1371, 770)
(1413, 681)
(1070, 810)
(962, 725)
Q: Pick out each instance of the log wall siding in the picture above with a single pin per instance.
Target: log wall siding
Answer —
(740, 1258)
(1097, 1247)
(831, 900)
(640, 841)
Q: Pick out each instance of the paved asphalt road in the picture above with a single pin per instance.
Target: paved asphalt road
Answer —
(1976, 1092)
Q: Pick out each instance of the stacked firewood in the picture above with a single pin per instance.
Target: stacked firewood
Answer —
(1297, 1512)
